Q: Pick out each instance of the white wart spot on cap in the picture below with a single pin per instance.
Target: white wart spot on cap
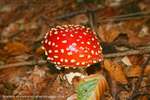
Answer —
(88, 43)
(92, 51)
(58, 63)
(56, 51)
(75, 32)
(83, 63)
(43, 47)
(46, 53)
(94, 46)
(56, 57)
(49, 43)
(80, 37)
(86, 51)
(56, 45)
(46, 40)
(74, 44)
(73, 60)
(71, 35)
(99, 51)
(53, 44)
(94, 61)
(49, 51)
(82, 42)
(64, 41)
(81, 55)
(84, 33)
(96, 53)
(61, 59)
(81, 48)
(66, 60)
(77, 63)
(69, 53)
(48, 58)
(58, 38)
(93, 39)
(63, 34)
(100, 60)
(66, 30)
(55, 32)
(62, 50)
(89, 56)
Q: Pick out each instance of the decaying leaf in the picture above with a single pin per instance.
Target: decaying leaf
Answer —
(16, 48)
(91, 87)
(147, 70)
(136, 59)
(108, 33)
(134, 71)
(39, 51)
(80, 19)
(115, 70)
(32, 84)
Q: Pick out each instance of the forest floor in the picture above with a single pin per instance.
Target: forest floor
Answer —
(122, 27)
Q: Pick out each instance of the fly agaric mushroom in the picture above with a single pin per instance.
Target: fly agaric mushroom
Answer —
(72, 46)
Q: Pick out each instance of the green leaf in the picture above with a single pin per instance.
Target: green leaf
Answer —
(91, 88)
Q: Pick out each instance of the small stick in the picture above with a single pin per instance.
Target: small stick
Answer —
(140, 50)
(145, 50)
(25, 63)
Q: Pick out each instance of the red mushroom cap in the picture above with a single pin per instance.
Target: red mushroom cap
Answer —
(72, 46)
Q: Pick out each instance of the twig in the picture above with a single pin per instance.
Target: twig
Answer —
(141, 50)
(127, 15)
(68, 15)
(25, 63)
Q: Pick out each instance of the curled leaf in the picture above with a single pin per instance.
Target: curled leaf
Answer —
(115, 70)
(91, 87)
(16, 48)
(134, 71)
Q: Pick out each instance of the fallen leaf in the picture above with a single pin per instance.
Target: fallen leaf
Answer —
(108, 33)
(134, 71)
(126, 61)
(147, 70)
(91, 87)
(143, 98)
(16, 48)
(115, 70)
(135, 40)
(12, 74)
(136, 59)
(33, 83)
(39, 51)
(80, 19)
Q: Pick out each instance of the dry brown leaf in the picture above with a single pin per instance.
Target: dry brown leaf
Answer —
(147, 70)
(12, 74)
(115, 70)
(16, 48)
(135, 40)
(136, 59)
(143, 98)
(80, 19)
(134, 71)
(108, 33)
(32, 84)
(39, 51)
